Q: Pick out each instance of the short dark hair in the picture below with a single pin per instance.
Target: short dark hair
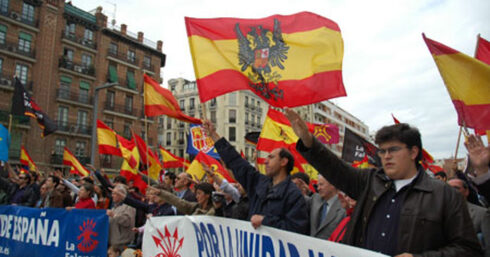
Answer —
(401, 132)
(301, 175)
(171, 176)
(207, 188)
(55, 179)
(120, 179)
(90, 188)
(441, 174)
(88, 180)
(285, 153)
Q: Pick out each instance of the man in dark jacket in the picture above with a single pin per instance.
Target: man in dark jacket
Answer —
(21, 192)
(400, 210)
(274, 199)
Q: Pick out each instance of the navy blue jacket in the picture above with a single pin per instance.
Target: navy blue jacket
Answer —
(283, 206)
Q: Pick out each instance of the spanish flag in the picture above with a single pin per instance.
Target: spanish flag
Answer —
(25, 159)
(148, 157)
(106, 137)
(287, 60)
(483, 50)
(129, 152)
(468, 83)
(172, 161)
(76, 167)
(196, 170)
(160, 101)
(131, 174)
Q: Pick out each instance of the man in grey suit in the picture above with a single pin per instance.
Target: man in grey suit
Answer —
(479, 215)
(325, 210)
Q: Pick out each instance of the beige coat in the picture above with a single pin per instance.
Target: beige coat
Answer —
(120, 225)
(183, 206)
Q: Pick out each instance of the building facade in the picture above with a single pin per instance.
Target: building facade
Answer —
(61, 54)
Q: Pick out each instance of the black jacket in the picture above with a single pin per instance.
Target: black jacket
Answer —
(283, 206)
(30, 196)
(434, 219)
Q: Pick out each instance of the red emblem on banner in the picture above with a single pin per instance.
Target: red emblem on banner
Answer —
(170, 244)
(88, 243)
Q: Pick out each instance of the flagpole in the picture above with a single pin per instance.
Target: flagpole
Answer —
(203, 107)
(10, 123)
(457, 144)
(146, 131)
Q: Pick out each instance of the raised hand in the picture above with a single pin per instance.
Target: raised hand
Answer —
(210, 130)
(479, 154)
(299, 126)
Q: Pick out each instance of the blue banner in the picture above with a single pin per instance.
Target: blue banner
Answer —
(4, 143)
(53, 232)
(197, 141)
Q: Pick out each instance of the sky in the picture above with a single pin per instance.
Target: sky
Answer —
(387, 68)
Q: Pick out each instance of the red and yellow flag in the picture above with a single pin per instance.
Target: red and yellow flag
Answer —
(483, 50)
(196, 170)
(26, 160)
(129, 152)
(287, 60)
(467, 81)
(148, 157)
(106, 137)
(160, 101)
(76, 167)
(172, 161)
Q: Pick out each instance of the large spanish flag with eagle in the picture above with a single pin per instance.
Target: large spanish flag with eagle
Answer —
(468, 82)
(288, 60)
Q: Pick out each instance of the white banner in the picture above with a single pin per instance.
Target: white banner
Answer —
(206, 236)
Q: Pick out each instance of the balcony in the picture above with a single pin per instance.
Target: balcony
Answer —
(121, 56)
(65, 94)
(180, 141)
(83, 69)
(12, 47)
(74, 128)
(110, 106)
(56, 159)
(20, 120)
(148, 66)
(78, 40)
(17, 17)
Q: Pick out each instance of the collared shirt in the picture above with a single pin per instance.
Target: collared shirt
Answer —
(181, 193)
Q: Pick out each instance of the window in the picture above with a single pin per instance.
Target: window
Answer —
(169, 123)
(68, 54)
(131, 56)
(59, 146)
(232, 98)
(130, 79)
(1, 66)
(24, 42)
(182, 104)
(128, 104)
(80, 148)
(4, 6)
(213, 116)
(83, 93)
(213, 102)
(22, 70)
(82, 122)
(63, 118)
(70, 29)
(169, 138)
(65, 83)
(86, 60)
(110, 96)
(232, 134)
(147, 62)
(109, 122)
(232, 116)
(112, 73)
(3, 33)
(246, 118)
(88, 36)
(191, 103)
(253, 119)
(246, 101)
(127, 130)
(113, 48)
(27, 12)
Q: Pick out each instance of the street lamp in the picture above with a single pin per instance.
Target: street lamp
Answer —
(94, 119)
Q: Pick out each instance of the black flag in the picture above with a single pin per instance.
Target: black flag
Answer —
(252, 137)
(355, 147)
(23, 104)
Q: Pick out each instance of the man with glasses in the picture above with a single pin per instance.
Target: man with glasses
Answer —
(21, 192)
(400, 210)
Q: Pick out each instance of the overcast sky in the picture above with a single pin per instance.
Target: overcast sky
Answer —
(387, 67)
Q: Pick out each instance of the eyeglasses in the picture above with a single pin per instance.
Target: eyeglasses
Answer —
(391, 150)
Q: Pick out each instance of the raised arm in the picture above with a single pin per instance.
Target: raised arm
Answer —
(181, 205)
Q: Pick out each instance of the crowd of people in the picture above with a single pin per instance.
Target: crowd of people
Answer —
(398, 209)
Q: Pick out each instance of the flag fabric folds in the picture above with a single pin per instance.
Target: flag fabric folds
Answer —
(252, 137)
(483, 50)
(172, 161)
(76, 167)
(106, 138)
(26, 160)
(287, 60)
(197, 171)
(129, 152)
(468, 83)
(132, 175)
(4, 143)
(160, 101)
(148, 158)
(23, 104)
(198, 141)
(356, 147)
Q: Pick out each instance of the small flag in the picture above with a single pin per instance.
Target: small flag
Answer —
(132, 175)
(76, 167)
(196, 170)
(252, 137)
(355, 148)
(23, 104)
(287, 60)
(4, 143)
(172, 161)
(467, 81)
(483, 50)
(106, 137)
(129, 152)
(198, 141)
(26, 160)
(160, 101)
